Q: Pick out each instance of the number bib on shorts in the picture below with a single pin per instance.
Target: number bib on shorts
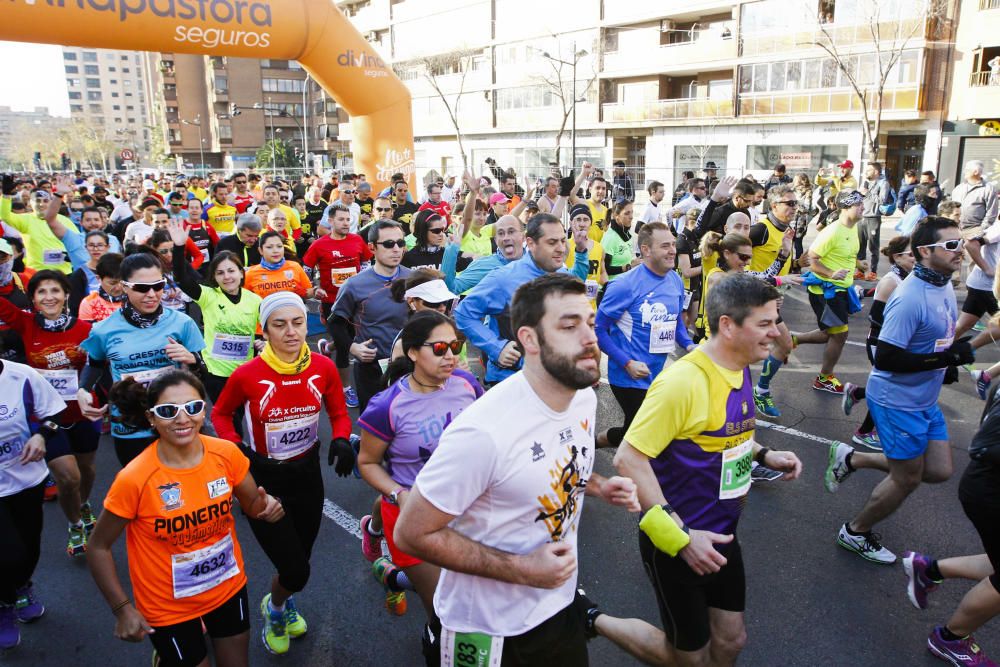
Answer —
(470, 649)
(687, 299)
(592, 289)
(661, 337)
(291, 438)
(339, 276)
(53, 256)
(198, 571)
(231, 347)
(145, 377)
(64, 381)
(10, 452)
(734, 481)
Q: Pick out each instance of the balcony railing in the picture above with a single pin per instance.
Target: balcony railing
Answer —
(842, 35)
(824, 102)
(989, 4)
(979, 79)
(667, 110)
(707, 46)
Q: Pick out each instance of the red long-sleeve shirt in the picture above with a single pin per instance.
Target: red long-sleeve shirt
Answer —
(282, 411)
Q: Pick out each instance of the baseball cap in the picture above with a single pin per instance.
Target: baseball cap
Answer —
(148, 184)
(5, 247)
(498, 198)
(846, 164)
(434, 291)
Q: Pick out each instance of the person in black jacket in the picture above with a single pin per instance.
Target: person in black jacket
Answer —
(715, 220)
(906, 193)
(244, 242)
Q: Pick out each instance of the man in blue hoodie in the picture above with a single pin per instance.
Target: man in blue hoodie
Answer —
(547, 247)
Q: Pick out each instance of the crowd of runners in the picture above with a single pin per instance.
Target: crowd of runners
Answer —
(466, 325)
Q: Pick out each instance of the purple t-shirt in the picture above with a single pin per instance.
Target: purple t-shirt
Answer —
(412, 423)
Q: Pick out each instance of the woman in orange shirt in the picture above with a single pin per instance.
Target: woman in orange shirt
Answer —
(275, 273)
(176, 499)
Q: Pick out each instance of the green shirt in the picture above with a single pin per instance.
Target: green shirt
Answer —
(837, 248)
(229, 327)
(619, 250)
(42, 248)
(477, 245)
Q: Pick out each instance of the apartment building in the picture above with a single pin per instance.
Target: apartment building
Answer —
(665, 86)
(194, 96)
(13, 123)
(107, 92)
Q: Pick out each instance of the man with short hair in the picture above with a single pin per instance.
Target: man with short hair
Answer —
(550, 195)
(506, 536)
(877, 193)
(906, 190)
(244, 242)
(177, 207)
(272, 197)
(739, 202)
(43, 249)
(436, 204)
(689, 451)
(656, 192)
(219, 213)
(448, 191)
(241, 198)
(509, 187)
(546, 253)
(403, 208)
(916, 353)
(623, 187)
(978, 198)
(598, 192)
(508, 234)
(844, 180)
(777, 177)
(347, 197)
(695, 197)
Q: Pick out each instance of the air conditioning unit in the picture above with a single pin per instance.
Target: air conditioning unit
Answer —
(666, 25)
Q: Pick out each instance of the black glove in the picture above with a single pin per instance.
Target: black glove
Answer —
(342, 453)
(8, 186)
(566, 184)
(951, 375)
(961, 352)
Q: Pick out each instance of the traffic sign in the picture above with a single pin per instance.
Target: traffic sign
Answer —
(127, 155)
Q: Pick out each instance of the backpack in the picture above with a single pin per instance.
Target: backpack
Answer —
(888, 206)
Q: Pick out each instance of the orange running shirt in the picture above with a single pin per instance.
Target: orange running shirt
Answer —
(289, 278)
(184, 559)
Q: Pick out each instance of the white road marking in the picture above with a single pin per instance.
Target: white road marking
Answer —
(795, 432)
(342, 517)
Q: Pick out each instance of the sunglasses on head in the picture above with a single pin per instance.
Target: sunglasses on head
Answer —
(389, 245)
(171, 410)
(439, 348)
(146, 287)
(951, 245)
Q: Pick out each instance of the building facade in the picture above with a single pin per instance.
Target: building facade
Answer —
(13, 124)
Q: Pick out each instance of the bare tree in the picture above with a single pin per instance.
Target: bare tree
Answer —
(890, 37)
(559, 82)
(432, 69)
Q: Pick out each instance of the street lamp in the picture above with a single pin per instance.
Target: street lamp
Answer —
(577, 55)
(271, 111)
(201, 140)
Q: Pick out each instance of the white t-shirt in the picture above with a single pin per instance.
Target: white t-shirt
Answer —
(138, 232)
(26, 395)
(682, 207)
(651, 214)
(500, 470)
(990, 250)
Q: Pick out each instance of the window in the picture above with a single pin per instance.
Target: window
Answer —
(76, 108)
(128, 82)
(116, 107)
(96, 108)
(89, 57)
(109, 56)
(92, 70)
(69, 56)
(94, 95)
(128, 94)
(114, 95)
(72, 82)
(114, 82)
(112, 69)
(118, 120)
(527, 97)
(611, 40)
(93, 83)
(125, 58)
(129, 108)
(226, 132)
(72, 69)
(125, 70)
(75, 96)
(221, 83)
(293, 64)
(283, 85)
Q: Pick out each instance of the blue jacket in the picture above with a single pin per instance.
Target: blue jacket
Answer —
(906, 199)
(913, 215)
(830, 290)
(473, 273)
(491, 298)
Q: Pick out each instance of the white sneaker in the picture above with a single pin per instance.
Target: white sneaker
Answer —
(837, 470)
(867, 546)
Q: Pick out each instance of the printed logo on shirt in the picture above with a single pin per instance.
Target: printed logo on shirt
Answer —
(537, 453)
(170, 494)
(565, 436)
(585, 425)
(56, 359)
(745, 408)
(218, 487)
(653, 312)
(560, 505)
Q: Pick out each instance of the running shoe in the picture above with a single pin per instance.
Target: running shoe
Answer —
(869, 440)
(395, 602)
(848, 402)
(51, 490)
(867, 546)
(918, 584)
(979, 327)
(836, 468)
(871, 276)
(77, 544)
(10, 634)
(324, 347)
(760, 473)
(88, 518)
(351, 397)
(356, 446)
(829, 383)
(371, 545)
(982, 383)
(294, 623)
(960, 652)
(859, 275)
(273, 634)
(588, 612)
(29, 607)
(765, 404)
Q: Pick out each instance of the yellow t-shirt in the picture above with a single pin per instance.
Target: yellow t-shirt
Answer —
(291, 215)
(42, 248)
(595, 257)
(222, 217)
(837, 248)
(598, 217)
(200, 193)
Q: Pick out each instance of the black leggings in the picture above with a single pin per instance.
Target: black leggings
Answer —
(630, 399)
(21, 531)
(288, 543)
(367, 382)
(127, 449)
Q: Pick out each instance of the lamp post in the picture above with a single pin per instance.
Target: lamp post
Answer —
(271, 111)
(201, 140)
(577, 55)
(305, 125)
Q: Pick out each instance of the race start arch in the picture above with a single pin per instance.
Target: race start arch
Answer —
(313, 32)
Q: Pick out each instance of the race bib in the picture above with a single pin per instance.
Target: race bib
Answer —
(291, 438)
(942, 344)
(204, 254)
(10, 452)
(384, 365)
(687, 299)
(661, 337)
(736, 463)
(340, 276)
(592, 288)
(53, 256)
(64, 381)
(231, 347)
(198, 571)
(145, 377)
(470, 649)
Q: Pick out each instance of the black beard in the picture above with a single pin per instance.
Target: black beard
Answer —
(564, 369)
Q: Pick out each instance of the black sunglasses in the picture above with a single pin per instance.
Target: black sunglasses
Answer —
(744, 258)
(436, 230)
(389, 245)
(142, 288)
(383, 208)
(440, 347)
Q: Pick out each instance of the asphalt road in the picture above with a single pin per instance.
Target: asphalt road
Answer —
(809, 601)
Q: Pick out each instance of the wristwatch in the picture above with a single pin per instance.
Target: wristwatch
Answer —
(394, 496)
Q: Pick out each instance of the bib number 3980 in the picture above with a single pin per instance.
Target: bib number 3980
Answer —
(736, 464)
(470, 649)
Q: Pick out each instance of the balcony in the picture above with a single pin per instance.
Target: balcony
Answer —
(981, 99)
(637, 56)
(825, 102)
(660, 110)
(980, 79)
(989, 4)
(845, 35)
(622, 12)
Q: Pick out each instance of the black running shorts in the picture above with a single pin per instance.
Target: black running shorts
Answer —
(183, 644)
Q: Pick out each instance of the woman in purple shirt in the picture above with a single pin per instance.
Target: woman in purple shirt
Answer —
(401, 428)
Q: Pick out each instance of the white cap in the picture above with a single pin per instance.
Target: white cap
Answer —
(434, 291)
(148, 185)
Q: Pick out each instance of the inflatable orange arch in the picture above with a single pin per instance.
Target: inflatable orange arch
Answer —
(313, 32)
